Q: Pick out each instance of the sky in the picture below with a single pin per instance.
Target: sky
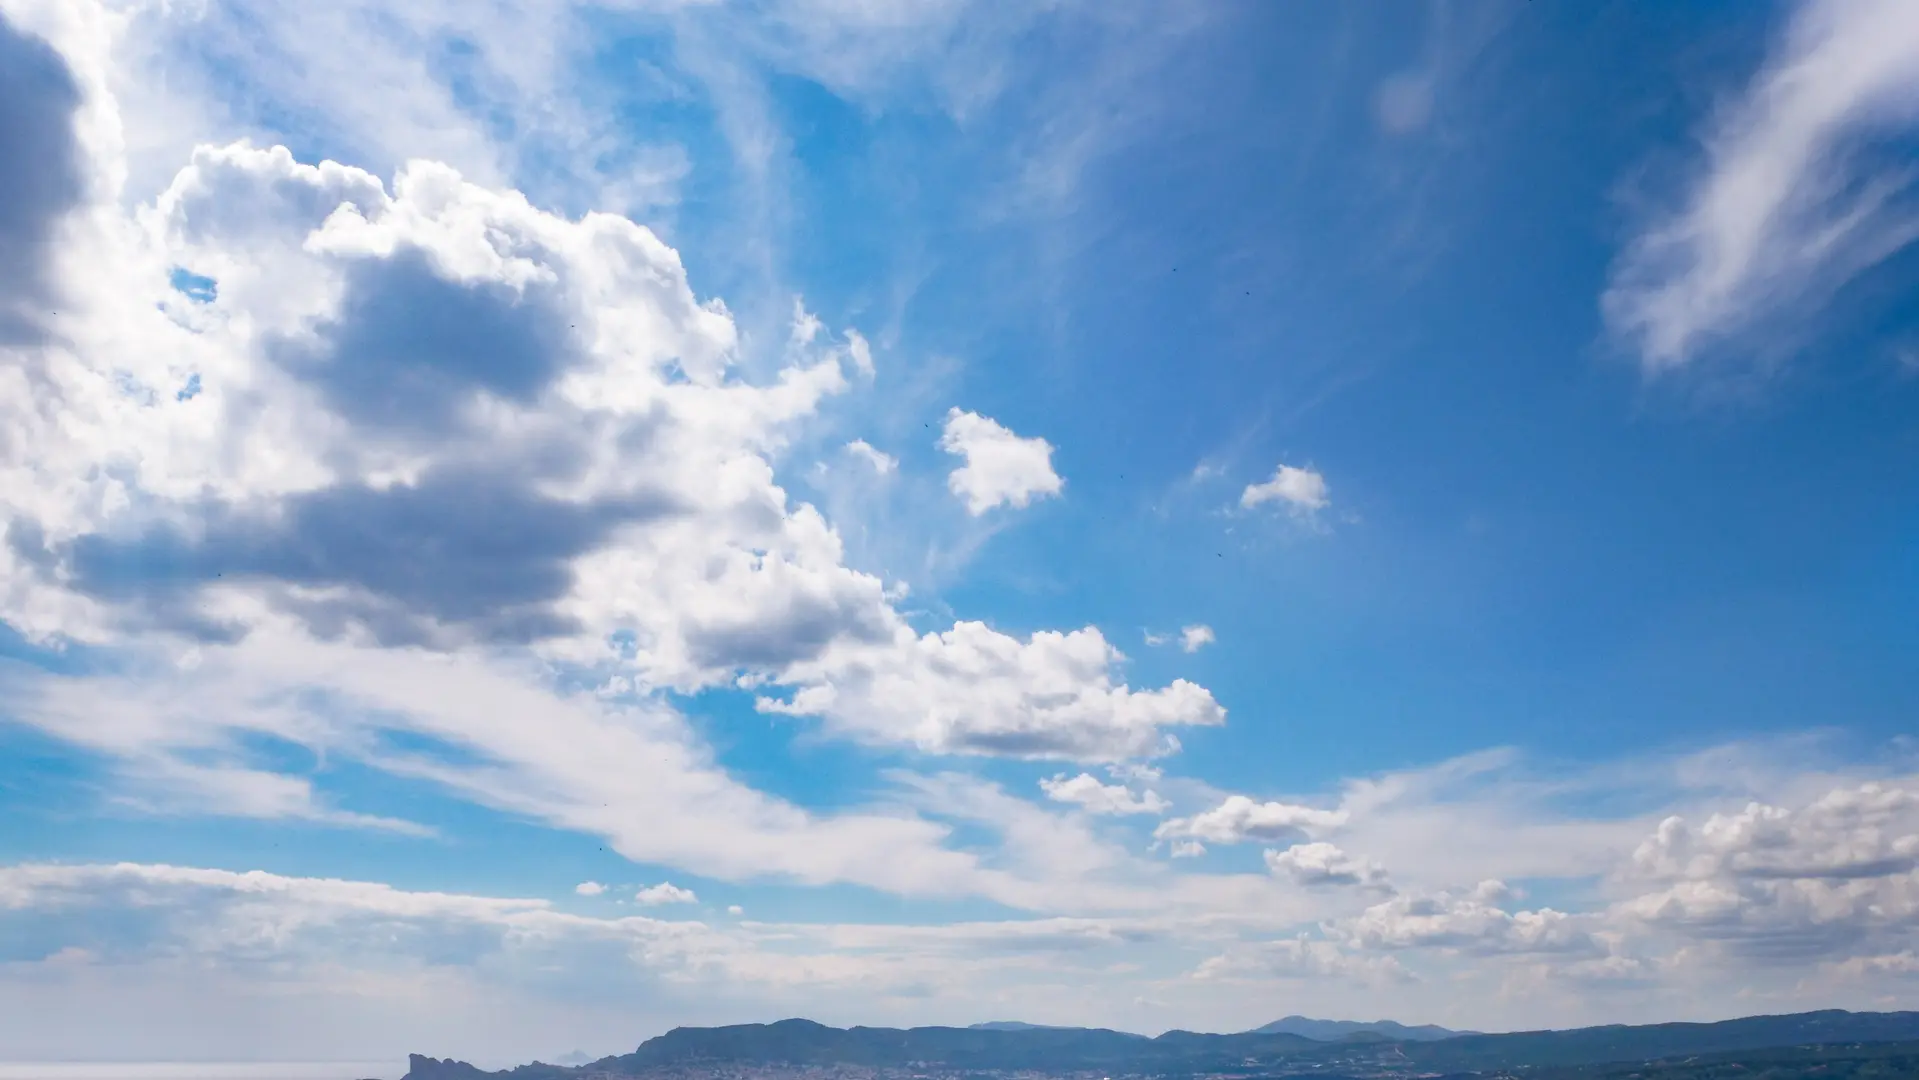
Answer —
(530, 524)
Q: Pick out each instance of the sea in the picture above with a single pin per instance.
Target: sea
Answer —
(190, 1070)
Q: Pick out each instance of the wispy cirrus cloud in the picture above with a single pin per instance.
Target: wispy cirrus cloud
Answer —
(1796, 194)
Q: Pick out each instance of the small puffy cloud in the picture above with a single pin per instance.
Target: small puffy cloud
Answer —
(1188, 849)
(882, 463)
(589, 888)
(1196, 637)
(735, 909)
(1239, 819)
(1002, 469)
(1320, 863)
(1086, 792)
(1302, 490)
(1792, 201)
(665, 893)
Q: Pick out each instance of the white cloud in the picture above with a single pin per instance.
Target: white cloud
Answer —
(353, 75)
(1470, 921)
(1837, 876)
(1871, 831)
(1086, 792)
(589, 888)
(1002, 469)
(1320, 863)
(314, 940)
(735, 909)
(134, 927)
(1239, 819)
(169, 786)
(1902, 963)
(1300, 958)
(1791, 202)
(1490, 815)
(862, 357)
(1302, 490)
(881, 463)
(1135, 772)
(602, 400)
(975, 690)
(665, 893)
(447, 445)
(124, 910)
(1194, 638)
(634, 775)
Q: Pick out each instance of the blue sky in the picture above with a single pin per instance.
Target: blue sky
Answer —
(532, 524)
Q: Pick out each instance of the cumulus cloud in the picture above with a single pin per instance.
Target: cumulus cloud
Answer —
(973, 689)
(1837, 876)
(1471, 921)
(1321, 863)
(1002, 469)
(42, 180)
(1194, 638)
(1087, 792)
(587, 479)
(1302, 490)
(589, 888)
(443, 444)
(1792, 200)
(664, 893)
(1848, 834)
(1239, 819)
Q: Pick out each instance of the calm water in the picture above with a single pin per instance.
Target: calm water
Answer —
(186, 1070)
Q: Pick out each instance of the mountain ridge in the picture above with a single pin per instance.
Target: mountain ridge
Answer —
(1333, 1030)
(807, 1044)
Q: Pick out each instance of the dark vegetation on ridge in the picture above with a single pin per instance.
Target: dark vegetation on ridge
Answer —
(1332, 1030)
(1831, 1045)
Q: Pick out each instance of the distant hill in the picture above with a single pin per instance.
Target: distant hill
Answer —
(1017, 1025)
(803, 1042)
(1364, 1049)
(1619, 1042)
(1334, 1030)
